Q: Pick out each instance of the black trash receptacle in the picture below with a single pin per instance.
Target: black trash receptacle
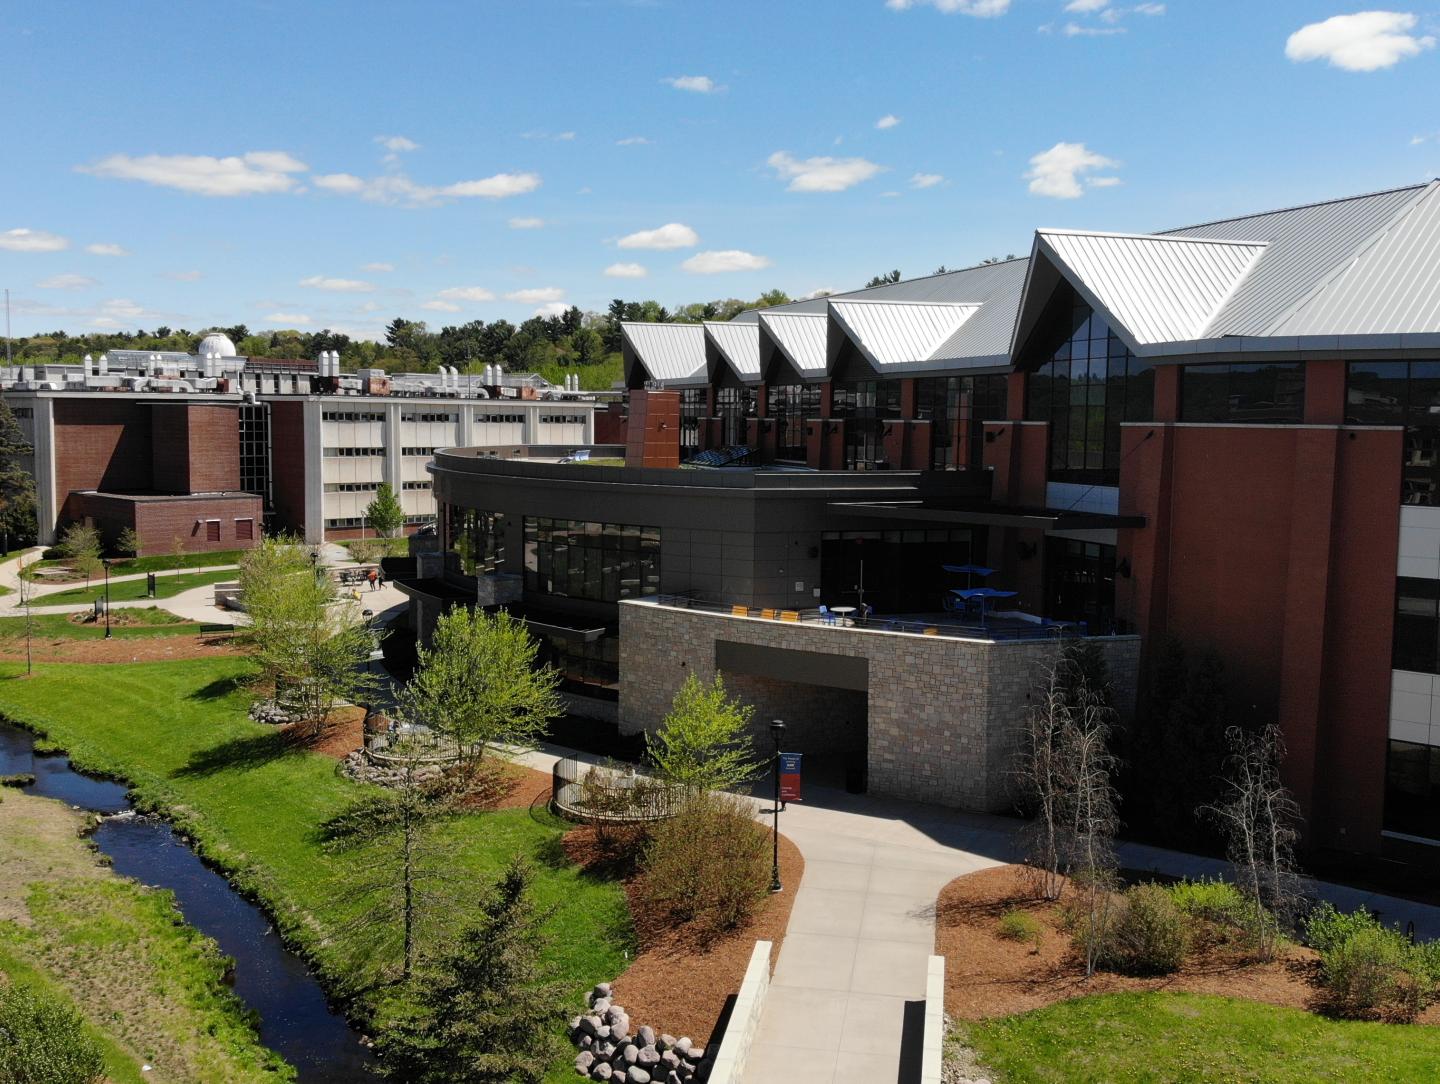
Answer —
(149, 585)
(855, 765)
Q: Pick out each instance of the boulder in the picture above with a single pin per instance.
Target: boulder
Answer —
(583, 1061)
(586, 1042)
(697, 1054)
(606, 1049)
(604, 1032)
(648, 1056)
(646, 1034)
(630, 1053)
(665, 1042)
(602, 989)
(620, 1077)
(600, 1005)
(670, 1059)
(638, 1075)
(602, 1072)
(682, 1046)
(590, 1025)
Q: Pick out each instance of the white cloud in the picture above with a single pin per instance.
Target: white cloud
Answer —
(1149, 9)
(397, 188)
(182, 276)
(821, 174)
(379, 265)
(1087, 6)
(625, 271)
(397, 143)
(671, 235)
(339, 286)
(1057, 172)
(730, 259)
(823, 291)
(926, 180)
(105, 250)
(440, 306)
(250, 174)
(536, 295)
(23, 240)
(67, 281)
(697, 84)
(633, 141)
(982, 9)
(1104, 182)
(1075, 30)
(563, 137)
(552, 308)
(290, 319)
(527, 223)
(467, 293)
(121, 308)
(889, 120)
(1364, 42)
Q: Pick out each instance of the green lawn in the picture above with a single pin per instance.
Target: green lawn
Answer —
(391, 547)
(156, 622)
(1159, 1037)
(128, 590)
(178, 732)
(164, 562)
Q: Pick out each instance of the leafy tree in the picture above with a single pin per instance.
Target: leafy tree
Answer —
(884, 279)
(43, 1041)
(17, 485)
(178, 551)
(384, 513)
(489, 1014)
(704, 743)
(477, 683)
(128, 542)
(81, 544)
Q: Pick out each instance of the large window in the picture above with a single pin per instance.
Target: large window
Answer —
(255, 450)
(1249, 394)
(865, 405)
(1417, 626)
(956, 406)
(896, 572)
(602, 562)
(1412, 789)
(1085, 391)
(478, 538)
(1402, 393)
(734, 405)
(1081, 583)
(789, 405)
(591, 668)
(692, 409)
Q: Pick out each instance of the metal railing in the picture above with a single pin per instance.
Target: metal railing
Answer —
(606, 794)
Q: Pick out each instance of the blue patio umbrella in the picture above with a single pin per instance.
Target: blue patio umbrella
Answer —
(984, 594)
(970, 571)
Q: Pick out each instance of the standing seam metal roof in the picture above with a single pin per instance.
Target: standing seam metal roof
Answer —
(668, 352)
(800, 337)
(739, 345)
(893, 334)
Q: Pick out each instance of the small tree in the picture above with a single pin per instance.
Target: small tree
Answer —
(477, 683)
(384, 513)
(128, 542)
(1259, 817)
(489, 1014)
(1090, 768)
(178, 551)
(1044, 783)
(704, 743)
(26, 588)
(43, 1041)
(81, 544)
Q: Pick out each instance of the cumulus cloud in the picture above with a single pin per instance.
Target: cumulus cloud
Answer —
(696, 84)
(625, 271)
(926, 180)
(467, 293)
(671, 235)
(397, 188)
(397, 144)
(527, 223)
(536, 295)
(822, 174)
(182, 276)
(1364, 42)
(338, 286)
(23, 240)
(633, 141)
(729, 259)
(981, 9)
(1075, 30)
(290, 319)
(889, 120)
(1059, 171)
(251, 174)
(552, 308)
(440, 306)
(106, 250)
(67, 281)
(1087, 6)
(378, 265)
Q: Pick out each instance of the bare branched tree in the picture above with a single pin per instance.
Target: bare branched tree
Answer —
(1043, 783)
(1259, 819)
(1090, 768)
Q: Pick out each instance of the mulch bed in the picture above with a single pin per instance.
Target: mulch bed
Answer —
(988, 976)
(678, 983)
(138, 649)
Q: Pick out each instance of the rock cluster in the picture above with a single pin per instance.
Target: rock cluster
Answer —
(271, 711)
(362, 769)
(611, 1050)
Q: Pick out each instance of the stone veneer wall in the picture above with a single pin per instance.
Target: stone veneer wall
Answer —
(944, 713)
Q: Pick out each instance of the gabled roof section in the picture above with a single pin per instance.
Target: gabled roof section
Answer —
(899, 335)
(1391, 286)
(800, 338)
(738, 344)
(1306, 247)
(1155, 288)
(667, 353)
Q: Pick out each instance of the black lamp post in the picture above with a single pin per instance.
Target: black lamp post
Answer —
(106, 563)
(777, 731)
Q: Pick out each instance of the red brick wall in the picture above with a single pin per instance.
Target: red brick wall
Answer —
(287, 464)
(100, 444)
(610, 424)
(195, 447)
(159, 523)
(652, 438)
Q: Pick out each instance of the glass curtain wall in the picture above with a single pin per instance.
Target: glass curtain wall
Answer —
(734, 406)
(692, 409)
(955, 407)
(865, 405)
(477, 537)
(790, 405)
(600, 562)
(1402, 393)
(1086, 390)
(1243, 394)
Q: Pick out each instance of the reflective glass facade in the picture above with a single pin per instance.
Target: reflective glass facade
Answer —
(733, 406)
(601, 562)
(865, 405)
(789, 405)
(1402, 393)
(955, 407)
(477, 537)
(1251, 394)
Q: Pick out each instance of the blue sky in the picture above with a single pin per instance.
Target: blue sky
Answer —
(285, 164)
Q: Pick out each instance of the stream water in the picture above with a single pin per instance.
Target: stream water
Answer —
(295, 1019)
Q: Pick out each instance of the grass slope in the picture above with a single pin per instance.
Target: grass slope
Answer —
(163, 562)
(129, 590)
(178, 732)
(151, 987)
(1122, 1038)
(152, 622)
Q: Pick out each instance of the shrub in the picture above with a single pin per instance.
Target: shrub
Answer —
(1018, 925)
(709, 864)
(44, 1042)
(1376, 972)
(1328, 928)
(1210, 901)
(1149, 935)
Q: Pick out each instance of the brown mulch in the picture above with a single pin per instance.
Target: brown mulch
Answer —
(988, 976)
(678, 983)
(139, 649)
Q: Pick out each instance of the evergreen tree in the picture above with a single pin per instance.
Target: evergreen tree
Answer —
(384, 513)
(17, 485)
(488, 1014)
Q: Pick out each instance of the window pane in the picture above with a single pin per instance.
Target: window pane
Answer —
(1417, 625)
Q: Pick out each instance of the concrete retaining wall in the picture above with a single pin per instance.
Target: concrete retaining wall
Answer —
(734, 1048)
(932, 1059)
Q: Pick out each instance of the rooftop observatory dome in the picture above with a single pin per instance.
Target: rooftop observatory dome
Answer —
(216, 343)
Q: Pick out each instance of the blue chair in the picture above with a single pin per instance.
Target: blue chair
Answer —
(826, 616)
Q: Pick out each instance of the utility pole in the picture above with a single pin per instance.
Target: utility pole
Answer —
(7, 327)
